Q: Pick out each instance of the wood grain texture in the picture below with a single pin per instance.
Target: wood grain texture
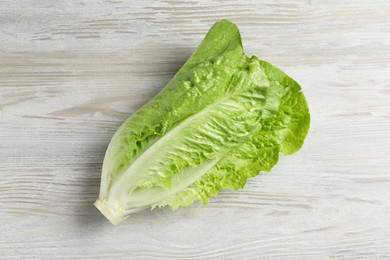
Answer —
(72, 71)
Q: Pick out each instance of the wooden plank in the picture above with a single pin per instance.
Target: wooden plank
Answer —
(71, 72)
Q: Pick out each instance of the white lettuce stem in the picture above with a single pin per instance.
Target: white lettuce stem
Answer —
(118, 207)
(154, 195)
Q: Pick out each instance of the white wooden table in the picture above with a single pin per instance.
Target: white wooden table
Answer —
(72, 71)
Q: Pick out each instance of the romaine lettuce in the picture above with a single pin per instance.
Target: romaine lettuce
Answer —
(222, 119)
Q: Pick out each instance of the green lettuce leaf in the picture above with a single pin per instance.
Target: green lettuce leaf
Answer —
(222, 119)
